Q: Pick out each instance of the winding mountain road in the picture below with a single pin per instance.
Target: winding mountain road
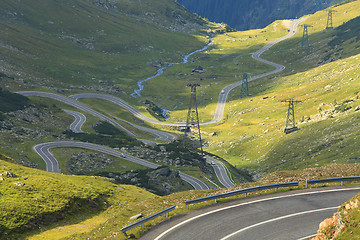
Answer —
(221, 101)
(283, 216)
(52, 165)
(160, 135)
(80, 119)
(221, 172)
(219, 112)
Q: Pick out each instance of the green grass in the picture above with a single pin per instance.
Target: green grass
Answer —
(46, 197)
(78, 43)
(77, 207)
(260, 122)
(325, 91)
(229, 56)
(322, 42)
(351, 218)
(106, 108)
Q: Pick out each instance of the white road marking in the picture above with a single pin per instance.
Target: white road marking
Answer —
(308, 237)
(248, 203)
(277, 219)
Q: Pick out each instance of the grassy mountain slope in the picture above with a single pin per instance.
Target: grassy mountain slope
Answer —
(328, 89)
(229, 56)
(56, 206)
(32, 199)
(74, 43)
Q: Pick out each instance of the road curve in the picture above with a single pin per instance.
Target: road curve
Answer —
(80, 119)
(287, 215)
(160, 135)
(77, 105)
(164, 136)
(219, 112)
(52, 165)
(126, 106)
(223, 95)
(220, 171)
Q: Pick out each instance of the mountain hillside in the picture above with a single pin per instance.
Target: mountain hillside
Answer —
(250, 14)
(84, 42)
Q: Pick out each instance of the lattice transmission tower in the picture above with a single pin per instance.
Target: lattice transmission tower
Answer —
(290, 119)
(329, 23)
(305, 38)
(192, 135)
(244, 86)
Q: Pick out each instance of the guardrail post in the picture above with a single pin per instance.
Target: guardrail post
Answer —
(276, 189)
(306, 183)
(187, 206)
(167, 215)
(245, 194)
(342, 182)
(215, 199)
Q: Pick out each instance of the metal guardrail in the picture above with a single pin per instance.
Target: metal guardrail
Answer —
(241, 191)
(327, 180)
(151, 217)
(236, 192)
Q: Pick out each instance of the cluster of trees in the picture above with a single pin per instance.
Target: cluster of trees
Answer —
(250, 14)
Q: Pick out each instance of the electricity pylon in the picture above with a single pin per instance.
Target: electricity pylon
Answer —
(305, 38)
(290, 119)
(192, 135)
(244, 86)
(329, 24)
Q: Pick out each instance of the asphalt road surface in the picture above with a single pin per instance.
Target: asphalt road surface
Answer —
(223, 94)
(160, 135)
(80, 119)
(222, 97)
(52, 165)
(283, 216)
(77, 105)
(221, 172)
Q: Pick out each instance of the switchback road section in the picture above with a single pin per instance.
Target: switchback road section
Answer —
(80, 119)
(52, 165)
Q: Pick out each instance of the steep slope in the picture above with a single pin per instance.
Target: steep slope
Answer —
(72, 43)
(344, 224)
(327, 116)
(33, 199)
(250, 14)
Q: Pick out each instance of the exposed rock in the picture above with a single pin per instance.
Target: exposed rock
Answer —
(137, 216)
(83, 163)
(19, 184)
(352, 204)
(10, 174)
(198, 69)
(131, 236)
(163, 179)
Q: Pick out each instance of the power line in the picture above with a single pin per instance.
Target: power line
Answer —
(290, 119)
(192, 134)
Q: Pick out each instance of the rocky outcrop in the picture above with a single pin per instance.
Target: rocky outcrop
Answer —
(81, 163)
(333, 227)
(330, 227)
(161, 181)
(164, 179)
